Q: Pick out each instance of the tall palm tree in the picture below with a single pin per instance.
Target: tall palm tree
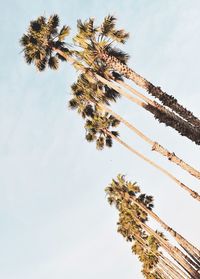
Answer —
(132, 220)
(97, 42)
(97, 127)
(88, 93)
(88, 39)
(161, 114)
(121, 188)
(43, 41)
(39, 46)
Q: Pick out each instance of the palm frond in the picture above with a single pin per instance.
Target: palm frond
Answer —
(53, 21)
(100, 142)
(109, 141)
(53, 63)
(64, 32)
(36, 25)
(107, 25)
(115, 133)
(41, 64)
(120, 36)
(24, 41)
(73, 104)
(90, 137)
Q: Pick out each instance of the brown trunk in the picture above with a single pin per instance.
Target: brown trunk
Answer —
(160, 112)
(155, 146)
(166, 99)
(162, 115)
(183, 127)
(194, 194)
(170, 119)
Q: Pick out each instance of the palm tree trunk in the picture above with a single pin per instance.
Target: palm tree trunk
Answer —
(173, 251)
(194, 194)
(179, 272)
(166, 99)
(159, 272)
(164, 116)
(194, 252)
(169, 274)
(156, 105)
(155, 146)
(170, 119)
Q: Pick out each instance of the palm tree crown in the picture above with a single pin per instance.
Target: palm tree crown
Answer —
(40, 41)
(94, 39)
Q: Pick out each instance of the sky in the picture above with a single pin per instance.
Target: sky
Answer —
(55, 221)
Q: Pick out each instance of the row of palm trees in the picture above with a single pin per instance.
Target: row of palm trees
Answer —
(102, 70)
(135, 208)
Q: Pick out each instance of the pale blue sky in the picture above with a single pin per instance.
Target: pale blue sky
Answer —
(55, 221)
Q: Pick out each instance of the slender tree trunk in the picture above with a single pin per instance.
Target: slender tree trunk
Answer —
(157, 107)
(159, 272)
(167, 271)
(164, 116)
(166, 99)
(179, 272)
(195, 253)
(155, 146)
(194, 194)
(174, 252)
(170, 119)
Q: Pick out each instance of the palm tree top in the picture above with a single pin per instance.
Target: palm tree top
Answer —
(95, 39)
(97, 126)
(40, 41)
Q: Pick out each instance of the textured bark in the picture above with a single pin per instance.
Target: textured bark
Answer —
(181, 126)
(194, 194)
(170, 119)
(164, 111)
(156, 146)
(173, 158)
(161, 114)
(167, 100)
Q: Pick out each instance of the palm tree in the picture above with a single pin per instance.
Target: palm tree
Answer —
(88, 96)
(132, 220)
(88, 92)
(43, 39)
(97, 129)
(97, 42)
(122, 189)
(161, 114)
(89, 38)
(40, 41)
